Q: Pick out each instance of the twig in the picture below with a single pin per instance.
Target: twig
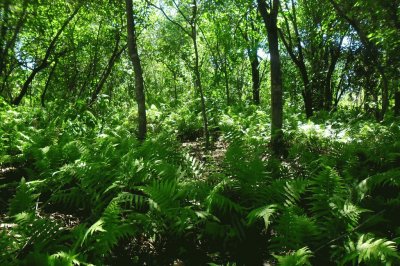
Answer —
(348, 233)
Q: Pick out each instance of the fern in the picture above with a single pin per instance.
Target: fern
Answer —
(265, 213)
(294, 229)
(105, 234)
(163, 195)
(24, 199)
(300, 257)
(371, 251)
(293, 191)
(65, 259)
(217, 201)
(326, 188)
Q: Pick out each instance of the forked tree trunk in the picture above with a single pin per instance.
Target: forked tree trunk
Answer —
(137, 67)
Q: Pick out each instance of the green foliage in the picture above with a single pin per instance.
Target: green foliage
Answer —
(23, 201)
(78, 188)
(91, 193)
(370, 251)
(299, 257)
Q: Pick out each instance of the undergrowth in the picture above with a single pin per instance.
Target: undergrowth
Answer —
(81, 190)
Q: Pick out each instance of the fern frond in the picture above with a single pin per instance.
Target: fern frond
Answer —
(163, 194)
(24, 199)
(65, 258)
(96, 227)
(370, 250)
(293, 191)
(264, 212)
(300, 257)
(108, 230)
(294, 230)
(389, 178)
(219, 202)
(325, 188)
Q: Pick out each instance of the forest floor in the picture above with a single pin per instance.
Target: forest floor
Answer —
(86, 190)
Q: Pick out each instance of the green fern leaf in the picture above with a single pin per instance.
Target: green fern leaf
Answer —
(300, 257)
(264, 212)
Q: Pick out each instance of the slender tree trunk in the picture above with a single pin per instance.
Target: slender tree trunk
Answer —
(43, 96)
(107, 71)
(254, 63)
(270, 21)
(44, 63)
(255, 77)
(397, 103)
(137, 67)
(92, 67)
(299, 62)
(198, 83)
(334, 55)
(3, 33)
(226, 79)
(373, 54)
(385, 93)
(7, 45)
(175, 88)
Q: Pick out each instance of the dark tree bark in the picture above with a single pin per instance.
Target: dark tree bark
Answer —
(107, 71)
(3, 33)
(270, 20)
(92, 67)
(45, 61)
(226, 79)
(373, 54)
(298, 60)
(252, 46)
(7, 45)
(137, 67)
(397, 102)
(198, 84)
(334, 54)
(255, 77)
(43, 96)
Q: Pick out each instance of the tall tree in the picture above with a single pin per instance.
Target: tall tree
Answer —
(372, 53)
(192, 31)
(137, 67)
(269, 13)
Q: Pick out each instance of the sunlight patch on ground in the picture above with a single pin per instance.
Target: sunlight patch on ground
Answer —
(327, 132)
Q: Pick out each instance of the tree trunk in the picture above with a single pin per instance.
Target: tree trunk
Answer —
(198, 83)
(397, 103)
(385, 93)
(373, 53)
(42, 97)
(255, 77)
(270, 21)
(3, 33)
(299, 62)
(308, 100)
(334, 55)
(226, 79)
(137, 67)
(44, 63)
(7, 45)
(107, 71)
